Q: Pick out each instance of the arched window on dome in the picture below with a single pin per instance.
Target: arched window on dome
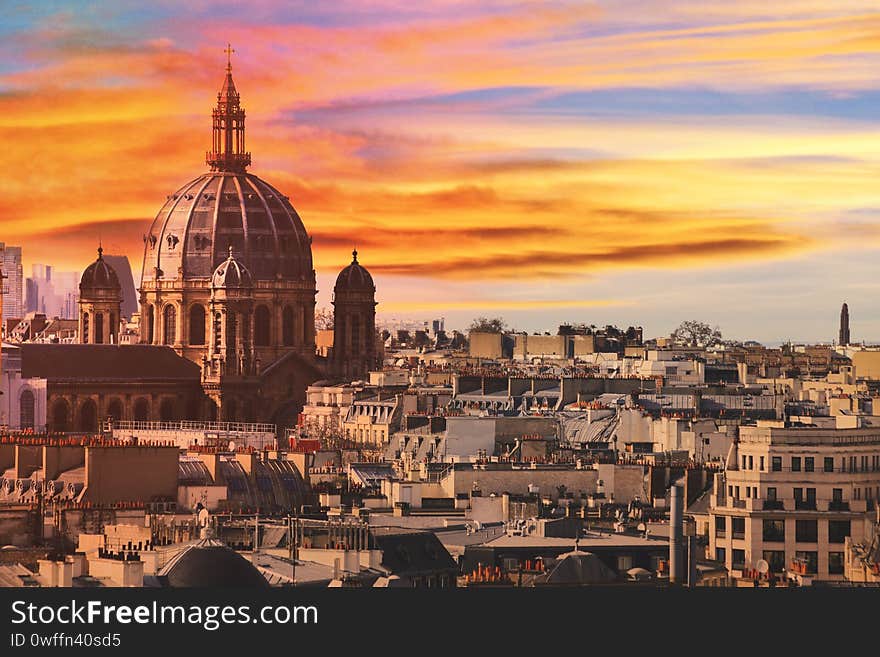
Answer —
(169, 324)
(151, 324)
(287, 326)
(197, 325)
(356, 334)
(99, 328)
(231, 331)
(262, 327)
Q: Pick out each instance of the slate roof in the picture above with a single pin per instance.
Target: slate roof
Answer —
(100, 362)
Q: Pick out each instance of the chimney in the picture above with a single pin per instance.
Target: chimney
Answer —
(676, 570)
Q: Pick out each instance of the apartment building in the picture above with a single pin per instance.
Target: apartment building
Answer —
(791, 496)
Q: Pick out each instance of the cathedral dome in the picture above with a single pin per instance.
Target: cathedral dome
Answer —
(99, 275)
(355, 276)
(207, 215)
(231, 273)
(227, 207)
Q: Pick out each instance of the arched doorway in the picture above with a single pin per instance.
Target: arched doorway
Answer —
(141, 412)
(60, 416)
(197, 325)
(26, 409)
(88, 417)
(247, 411)
(115, 410)
(230, 410)
(262, 327)
(166, 411)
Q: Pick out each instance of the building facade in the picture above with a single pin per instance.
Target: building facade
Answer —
(791, 496)
(10, 264)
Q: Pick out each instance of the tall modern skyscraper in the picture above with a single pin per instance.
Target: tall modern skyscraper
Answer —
(843, 338)
(53, 293)
(122, 267)
(10, 257)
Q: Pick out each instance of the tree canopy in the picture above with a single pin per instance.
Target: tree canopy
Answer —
(489, 325)
(692, 333)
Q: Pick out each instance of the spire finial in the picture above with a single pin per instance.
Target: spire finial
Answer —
(230, 252)
(100, 251)
(354, 255)
(229, 50)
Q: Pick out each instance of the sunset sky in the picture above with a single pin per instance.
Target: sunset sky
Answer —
(625, 162)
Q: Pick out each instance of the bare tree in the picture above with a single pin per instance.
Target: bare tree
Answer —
(323, 319)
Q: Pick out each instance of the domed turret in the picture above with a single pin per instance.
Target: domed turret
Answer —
(355, 276)
(210, 563)
(100, 303)
(231, 274)
(99, 276)
(354, 322)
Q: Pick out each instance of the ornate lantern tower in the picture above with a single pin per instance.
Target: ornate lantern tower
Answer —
(228, 152)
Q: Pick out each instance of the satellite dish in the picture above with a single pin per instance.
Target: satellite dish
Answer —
(231, 445)
(762, 567)
(642, 527)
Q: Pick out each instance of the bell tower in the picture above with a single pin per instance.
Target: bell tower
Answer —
(354, 322)
(100, 303)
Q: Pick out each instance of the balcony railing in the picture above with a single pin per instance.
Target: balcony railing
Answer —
(805, 505)
(838, 506)
(773, 505)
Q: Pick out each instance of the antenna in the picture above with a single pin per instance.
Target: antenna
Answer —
(762, 567)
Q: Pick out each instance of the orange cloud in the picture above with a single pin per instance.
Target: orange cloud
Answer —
(100, 129)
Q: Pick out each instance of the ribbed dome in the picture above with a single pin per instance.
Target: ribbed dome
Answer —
(209, 563)
(355, 276)
(99, 275)
(197, 224)
(231, 273)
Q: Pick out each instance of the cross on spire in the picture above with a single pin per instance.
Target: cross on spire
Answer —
(229, 50)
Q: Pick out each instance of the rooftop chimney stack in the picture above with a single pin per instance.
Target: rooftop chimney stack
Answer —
(676, 561)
